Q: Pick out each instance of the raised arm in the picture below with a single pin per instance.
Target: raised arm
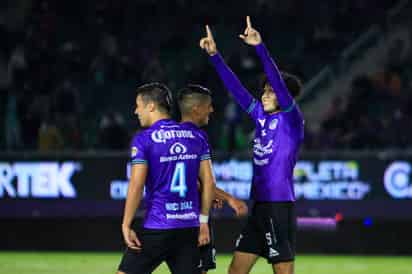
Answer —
(231, 82)
(252, 37)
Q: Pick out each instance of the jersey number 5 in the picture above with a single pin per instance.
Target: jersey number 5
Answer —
(179, 180)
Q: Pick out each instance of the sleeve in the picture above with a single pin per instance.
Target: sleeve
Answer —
(137, 151)
(205, 153)
(232, 83)
(275, 79)
(296, 122)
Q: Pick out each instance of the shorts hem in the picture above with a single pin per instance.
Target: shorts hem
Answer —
(125, 272)
(248, 251)
(208, 267)
(281, 261)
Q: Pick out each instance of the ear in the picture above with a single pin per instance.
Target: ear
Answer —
(151, 106)
(195, 108)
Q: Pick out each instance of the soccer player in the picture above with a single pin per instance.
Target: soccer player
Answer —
(271, 229)
(195, 104)
(167, 160)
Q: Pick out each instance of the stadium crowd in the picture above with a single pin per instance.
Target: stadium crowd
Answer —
(377, 113)
(68, 69)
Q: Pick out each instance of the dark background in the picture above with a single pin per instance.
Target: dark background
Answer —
(68, 74)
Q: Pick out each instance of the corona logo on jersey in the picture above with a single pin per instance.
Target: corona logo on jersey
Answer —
(397, 180)
(37, 179)
(329, 180)
(161, 136)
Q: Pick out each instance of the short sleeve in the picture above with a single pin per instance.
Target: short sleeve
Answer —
(205, 153)
(295, 119)
(137, 151)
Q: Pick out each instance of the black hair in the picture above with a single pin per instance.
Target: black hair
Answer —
(193, 88)
(292, 82)
(191, 93)
(157, 93)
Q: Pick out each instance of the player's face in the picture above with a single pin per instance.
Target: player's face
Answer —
(142, 112)
(269, 100)
(204, 111)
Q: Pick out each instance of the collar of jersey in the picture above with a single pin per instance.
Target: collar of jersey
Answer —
(275, 113)
(161, 121)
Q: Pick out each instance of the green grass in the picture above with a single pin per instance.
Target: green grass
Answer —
(98, 263)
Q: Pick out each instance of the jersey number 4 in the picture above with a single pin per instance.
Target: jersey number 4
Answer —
(179, 180)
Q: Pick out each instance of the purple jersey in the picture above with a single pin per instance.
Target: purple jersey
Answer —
(201, 132)
(278, 136)
(173, 155)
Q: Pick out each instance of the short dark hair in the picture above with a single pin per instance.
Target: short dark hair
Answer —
(292, 82)
(158, 93)
(191, 94)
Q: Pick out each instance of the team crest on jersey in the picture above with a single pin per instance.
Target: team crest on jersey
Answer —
(262, 122)
(177, 148)
(273, 124)
(134, 151)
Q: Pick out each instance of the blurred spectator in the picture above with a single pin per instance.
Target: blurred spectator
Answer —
(50, 137)
(66, 107)
(12, 123)
(99, 70)
(232, 129)
(66, 100)
(113, 134)
(153, 71)
(17, 67)
(32, 110)
(4, 80)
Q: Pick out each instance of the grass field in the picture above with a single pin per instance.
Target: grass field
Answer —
(99, 263)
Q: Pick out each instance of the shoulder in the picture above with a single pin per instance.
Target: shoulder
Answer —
(140, 137)
(203, 134)
(197, 131)
(256, 110)
(293, 117)
(293, 110)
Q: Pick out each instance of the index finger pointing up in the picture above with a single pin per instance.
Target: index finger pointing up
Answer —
(249, 24)
(209, 33)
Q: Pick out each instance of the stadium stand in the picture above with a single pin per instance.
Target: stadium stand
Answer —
(69, 68)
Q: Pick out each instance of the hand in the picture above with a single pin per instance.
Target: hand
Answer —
(217, 203)
(251, 36)
(208, 43)
(130, 238)
(204, 235)
(238, 206)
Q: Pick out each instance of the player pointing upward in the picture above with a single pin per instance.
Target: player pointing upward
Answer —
(270, 230)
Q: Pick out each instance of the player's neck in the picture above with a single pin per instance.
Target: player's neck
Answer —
(277, 110)
(274, 112)
(159, 116)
